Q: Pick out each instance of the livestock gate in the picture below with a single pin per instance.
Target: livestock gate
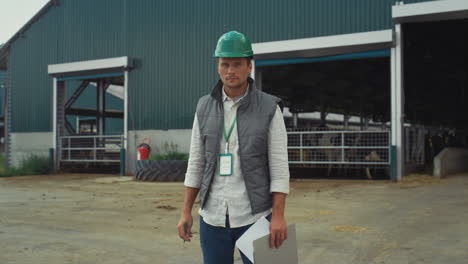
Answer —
(92, 148)
(355, 149)
(335, 147)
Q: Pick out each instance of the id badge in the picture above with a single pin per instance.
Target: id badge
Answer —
(225, 164)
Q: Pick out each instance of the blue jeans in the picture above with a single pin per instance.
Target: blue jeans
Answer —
(218, 243)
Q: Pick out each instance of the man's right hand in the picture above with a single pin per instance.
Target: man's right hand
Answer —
(188, 220)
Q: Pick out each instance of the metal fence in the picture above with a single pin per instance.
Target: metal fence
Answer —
(339, 148)
(415, 145)
(90, 148)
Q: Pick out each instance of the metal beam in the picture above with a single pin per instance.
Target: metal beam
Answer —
(324, 46)
(69, 127)
(430, 11)
(109, 113)
(76, 94)
(348, 56)
(91, 65)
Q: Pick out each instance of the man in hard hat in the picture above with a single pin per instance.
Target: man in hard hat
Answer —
(238, 158)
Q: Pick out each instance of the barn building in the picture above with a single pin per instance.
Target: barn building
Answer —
(364, 82)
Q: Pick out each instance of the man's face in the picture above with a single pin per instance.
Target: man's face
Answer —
(234, 71)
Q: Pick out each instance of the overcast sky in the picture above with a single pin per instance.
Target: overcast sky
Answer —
(15, 13)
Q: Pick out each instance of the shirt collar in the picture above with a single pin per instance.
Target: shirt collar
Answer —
(235, 99)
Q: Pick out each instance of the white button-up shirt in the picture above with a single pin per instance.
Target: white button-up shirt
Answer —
(228, 194)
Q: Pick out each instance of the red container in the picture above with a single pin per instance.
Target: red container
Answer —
(144, 149)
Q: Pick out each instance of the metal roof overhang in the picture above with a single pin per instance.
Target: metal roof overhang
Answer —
(91, 67)
(324, 46)
(430, 11)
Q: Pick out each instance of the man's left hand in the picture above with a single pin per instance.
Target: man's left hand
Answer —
(278, 231)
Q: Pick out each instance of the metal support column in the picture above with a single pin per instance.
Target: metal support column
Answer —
(346, 118)
(58, 126)
(323, 118)
(253, 72)
(397, 102)
(295, 118)
(125, 138)
(7, 121)
(55, 142)
(101, 106)
(258, 79)
(366, 123)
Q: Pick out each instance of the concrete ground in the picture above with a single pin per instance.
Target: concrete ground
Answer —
(85, 219)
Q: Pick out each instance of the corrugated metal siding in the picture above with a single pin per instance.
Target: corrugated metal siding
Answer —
(90, 30)
(31, 87)
(2, 93)
(172, 42)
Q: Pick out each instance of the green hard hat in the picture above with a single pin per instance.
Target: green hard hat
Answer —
(233, 44)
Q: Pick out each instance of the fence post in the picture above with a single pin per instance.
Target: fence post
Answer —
(95, 148)
(342, 147)
(122, 162)
(51, 160)
(300, 145)
(393, 163)
(69, 149)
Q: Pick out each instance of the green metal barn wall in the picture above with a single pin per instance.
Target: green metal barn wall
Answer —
(2, 92)
(172, 43)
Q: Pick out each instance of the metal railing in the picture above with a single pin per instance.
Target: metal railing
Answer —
(90, 148)
(339, 148)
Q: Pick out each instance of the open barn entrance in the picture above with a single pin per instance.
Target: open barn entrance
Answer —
(336, 90)
(430, 79)
(92, 130)
(90, 114)
(435, 57)
(337, 112)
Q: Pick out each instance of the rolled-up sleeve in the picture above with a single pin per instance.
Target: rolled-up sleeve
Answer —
(196, 162)
(278, 154)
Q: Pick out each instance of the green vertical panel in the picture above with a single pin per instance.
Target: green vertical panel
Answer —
(31, 87)
(91, 29)
(2, 93)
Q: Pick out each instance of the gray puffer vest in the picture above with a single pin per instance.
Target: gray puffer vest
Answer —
(254, 115)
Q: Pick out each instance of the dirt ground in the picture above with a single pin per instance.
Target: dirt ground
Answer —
(88, 219)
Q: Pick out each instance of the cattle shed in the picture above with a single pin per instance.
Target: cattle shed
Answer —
(365, 83)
